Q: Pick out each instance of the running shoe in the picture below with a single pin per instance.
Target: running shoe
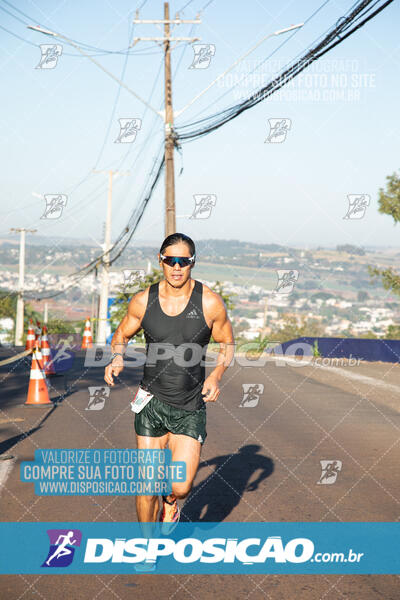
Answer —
(167, 527)
(145, 567)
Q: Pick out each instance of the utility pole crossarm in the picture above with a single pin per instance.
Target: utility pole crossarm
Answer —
(164, 21)
(162, 39)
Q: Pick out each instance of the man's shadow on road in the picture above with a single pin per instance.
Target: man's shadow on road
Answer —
(225, 486)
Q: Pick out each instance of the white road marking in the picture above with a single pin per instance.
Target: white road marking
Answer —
(342, 372)
(5, 470)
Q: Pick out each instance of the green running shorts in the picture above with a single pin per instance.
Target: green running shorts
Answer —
(158, 418)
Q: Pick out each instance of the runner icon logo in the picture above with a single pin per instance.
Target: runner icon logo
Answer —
(286, 281)
(358, 204)
(251, 394)
(62, 547)
(128, 130)
(330, 470)
(203, 54)
(50, 54)
(203, 205)
(97, 397)
(278, 129)
(55, 203)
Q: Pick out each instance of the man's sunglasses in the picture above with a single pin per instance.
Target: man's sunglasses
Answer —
(182, 261)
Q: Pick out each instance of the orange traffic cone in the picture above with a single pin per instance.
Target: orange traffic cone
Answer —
(45, 349)
(30, 339)
(87, 341)
(38, 394)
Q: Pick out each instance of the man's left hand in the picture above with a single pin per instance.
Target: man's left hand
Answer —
(210, 389)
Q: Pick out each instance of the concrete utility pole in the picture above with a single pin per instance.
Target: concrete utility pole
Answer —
(105, 275)
(170, 216)
(19, 318)
(265, 319)
(46, 313)
(168, 115)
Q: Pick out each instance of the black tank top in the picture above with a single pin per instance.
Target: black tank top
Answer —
(178, 378)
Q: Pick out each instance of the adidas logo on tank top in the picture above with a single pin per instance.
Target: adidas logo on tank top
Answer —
(193, 314)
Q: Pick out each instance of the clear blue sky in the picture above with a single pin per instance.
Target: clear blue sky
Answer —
(54, 123)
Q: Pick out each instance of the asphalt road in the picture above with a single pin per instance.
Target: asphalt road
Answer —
(303, 416)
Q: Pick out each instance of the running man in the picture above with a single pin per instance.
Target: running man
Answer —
(176, 311)
(62, 549)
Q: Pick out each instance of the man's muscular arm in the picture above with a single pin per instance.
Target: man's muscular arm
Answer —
(221, 331)
(128, 327)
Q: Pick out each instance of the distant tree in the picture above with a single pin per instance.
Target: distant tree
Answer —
(8, 308)
(389, 204)
(8, 303)
(391, 305)
(350, 249)
(293, 297)
(322, 296)
(393, 332)
(389, 199)
(389, 277)
(254, 297)
(60, 326)
(241, 327)
(226, 296)
(292, 329)
(362, 296)
(308, 284)
(368, 335)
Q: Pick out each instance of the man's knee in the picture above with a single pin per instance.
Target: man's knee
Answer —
(181, 489)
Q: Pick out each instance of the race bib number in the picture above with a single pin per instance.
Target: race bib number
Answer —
(142, 397)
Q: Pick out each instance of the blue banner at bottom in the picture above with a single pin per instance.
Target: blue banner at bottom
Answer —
(195, 548)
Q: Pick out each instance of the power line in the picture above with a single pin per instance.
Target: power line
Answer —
(343, 28)
(117, 95)
(100, 51)
(285, 41)
(336, 36)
